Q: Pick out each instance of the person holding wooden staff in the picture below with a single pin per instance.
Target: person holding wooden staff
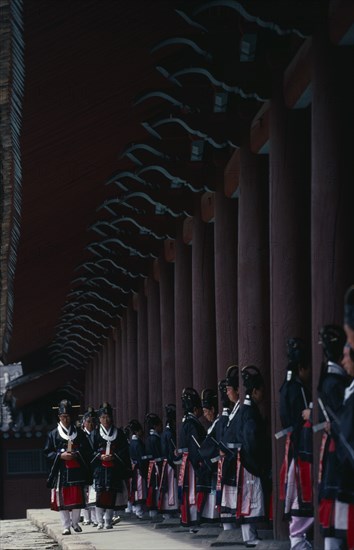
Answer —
(112, 468)
(69, 453)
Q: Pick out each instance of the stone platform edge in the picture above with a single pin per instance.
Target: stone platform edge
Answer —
(54, 530)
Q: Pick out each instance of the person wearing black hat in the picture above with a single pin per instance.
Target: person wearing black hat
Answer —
(229, 451)
(168, 485)
(69, 453)
(191, 436)
(208, 511)
(332, 385)
(343, 430)
(112, 468)
(349, 315)
(139, 468)
(296, 471)
(88, 424)
(255, 456)
(226, 409)
(154, 455)
(344, 520)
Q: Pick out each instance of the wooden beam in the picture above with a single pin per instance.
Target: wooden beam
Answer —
(188, 230)
(297, 78)
(169, 250)
(135, 301)
(207, 207)
(259, 138)
(156, 270)
(232, 175)
(341, 22)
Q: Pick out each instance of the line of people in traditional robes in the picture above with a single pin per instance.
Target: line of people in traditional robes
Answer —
(222, 473)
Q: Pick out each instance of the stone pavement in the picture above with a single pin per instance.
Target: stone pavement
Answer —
(132, 534)
(21, 534)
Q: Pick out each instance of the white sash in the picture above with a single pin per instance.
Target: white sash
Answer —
(109, 438)
(64, 433)
(233, 412)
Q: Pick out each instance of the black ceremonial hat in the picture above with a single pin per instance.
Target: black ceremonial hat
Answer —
(332, 339)
(251, 377)
(349, 307)
(90, 413)
(223, 393)
(222, 386)
(105, 408)
(135, 426)
(296, 351)
(65, 407)
(209, 399)
(170, 411)
(190, 399)
(232, 378)
(152, 420)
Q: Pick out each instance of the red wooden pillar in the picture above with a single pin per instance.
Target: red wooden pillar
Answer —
(253, 264)
(290, 292)
(332, 194)
(183, 317)
(167, 331)
(225, 235)
(132, 362)
(105, 372)
(332, 183)
(118, 377)
(203, 304)
(88, 385)
(124, 396)
(94, 394)
(154, 352)
(100, 376)
(112, 374)
(92, 400)
(143, 364)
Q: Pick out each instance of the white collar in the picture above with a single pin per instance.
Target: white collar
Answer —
(334, 368)
(233, 412)
(65, 433)
(190, 415)
(349, 391)
(210, 429)
(105, 433)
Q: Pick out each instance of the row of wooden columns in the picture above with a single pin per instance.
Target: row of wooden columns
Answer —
(167, 337)
(273, 263)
